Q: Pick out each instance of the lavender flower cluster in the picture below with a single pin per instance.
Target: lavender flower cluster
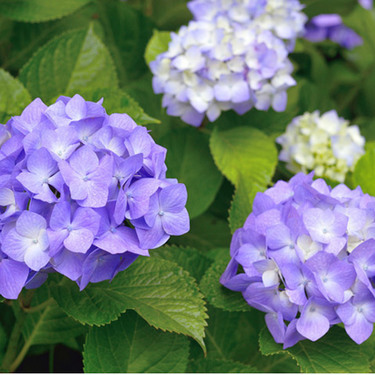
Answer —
(82, 193)
(308, 255)
(234, 55)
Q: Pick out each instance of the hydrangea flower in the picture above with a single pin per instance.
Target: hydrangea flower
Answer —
(325, 144)
(308, 256)
(234, 55)
(331, 26)
(82, 193)
(367, 4)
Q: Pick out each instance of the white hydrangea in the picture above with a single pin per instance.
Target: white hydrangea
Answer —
(228, 59)
(325, 144)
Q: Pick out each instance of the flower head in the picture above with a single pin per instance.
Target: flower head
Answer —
(306, 262)
(78, 194)
(325, 144)
(234, 55)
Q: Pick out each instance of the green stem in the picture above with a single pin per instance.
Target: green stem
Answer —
(15, 335)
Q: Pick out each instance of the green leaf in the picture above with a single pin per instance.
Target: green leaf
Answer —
(244, 152)
(13, 96)
(131, 345)
(160, 291)
(157, 45)
(189, 160)
(3, 341)
(189, 259)
(364, 172)
(74, 62)
(39, 10)
(127, 32)
(316, 7)
(218, 366)
(219, 296)
(242, 203)
(333, 353)
(118, 101)
(206, 232)
(49, 325)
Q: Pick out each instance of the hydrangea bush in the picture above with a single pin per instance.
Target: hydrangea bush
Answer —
(101, 267)
(323, 143)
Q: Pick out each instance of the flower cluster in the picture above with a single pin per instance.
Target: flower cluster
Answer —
(234, 55)
(325, 144)
(308, 255)
(330, 26)
(82, 193)
(367, 4)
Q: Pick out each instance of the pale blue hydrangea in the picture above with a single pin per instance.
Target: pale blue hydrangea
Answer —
(234, 56)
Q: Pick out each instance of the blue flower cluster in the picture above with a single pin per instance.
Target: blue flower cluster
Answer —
(82, 193)
(308, 256)
(234, 55)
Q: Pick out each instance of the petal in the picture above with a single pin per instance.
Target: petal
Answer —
(276, 326)
(60, 217)
(86, 218)
(68, 264)
(153, 237)
(79, 240)
(360, 330)
(173, 198)
(76, 108)
(176, 224)
(29, 224)
(13, 276)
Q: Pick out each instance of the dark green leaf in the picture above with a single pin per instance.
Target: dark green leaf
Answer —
(13, 96)
(163, 293)
(316, 7)
(74, 62)
(333, 353)
(39, 10)
(131, 345)
(218, 366)
(189, 159)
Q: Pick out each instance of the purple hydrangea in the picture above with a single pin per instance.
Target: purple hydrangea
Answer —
(234, 55)
(82, 193)
(308, 256)
(330, 26)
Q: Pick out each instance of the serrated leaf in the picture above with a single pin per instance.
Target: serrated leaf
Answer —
(244, 152)
(333, 353)
(160, 291)
(127, 32)
(39, 10)
(157, 45)
(206, 232)
(131, 345)
(189, 160)
(73, 62)
(219, 296)
(218, 366)
(364, 172)
(118, 101)
(13, 96)
(189, 259)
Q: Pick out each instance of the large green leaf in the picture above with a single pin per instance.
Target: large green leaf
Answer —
(364, 172)
(3, 341)
(216, 294)
(157, 45)
(189, 160)
(189, 259)
(131, 345)
(118, 101)
(333, 353)
(160, 291)
(244, 152)
(218, 366)
(127, 32)
(74, 62)
(316, 7)
(49, 325)
(39, 10)
(13, 96)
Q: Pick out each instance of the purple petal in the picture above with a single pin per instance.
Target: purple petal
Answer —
(173, 198)
(276, 326)
(79, 240)
(13, 276)
(176, 224)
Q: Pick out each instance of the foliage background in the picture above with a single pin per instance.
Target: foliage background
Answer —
(168, 313)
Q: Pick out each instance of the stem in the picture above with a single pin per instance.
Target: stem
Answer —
(37, 308)
(15, 336)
